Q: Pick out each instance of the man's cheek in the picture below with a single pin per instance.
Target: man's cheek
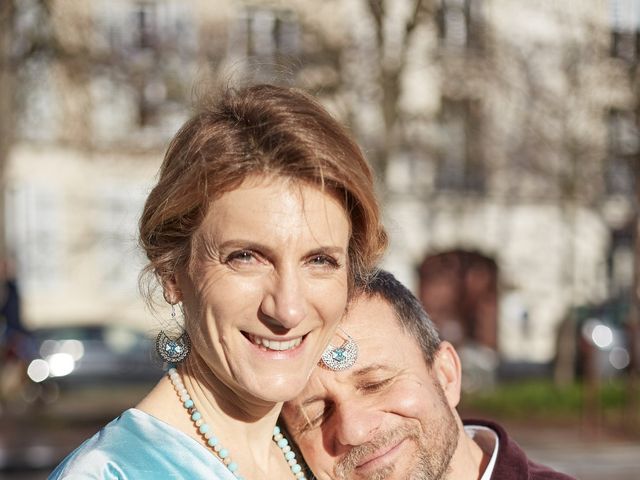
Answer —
(409, 403)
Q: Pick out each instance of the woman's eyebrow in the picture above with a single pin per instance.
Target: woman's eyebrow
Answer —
(251, 244)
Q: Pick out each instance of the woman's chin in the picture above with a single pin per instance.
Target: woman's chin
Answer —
(276, 376)
(280, 388)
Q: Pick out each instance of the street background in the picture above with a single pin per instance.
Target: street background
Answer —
(504, 136)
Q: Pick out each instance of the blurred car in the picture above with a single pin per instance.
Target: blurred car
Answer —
(603, 338)
(79, 377)
(85, 355)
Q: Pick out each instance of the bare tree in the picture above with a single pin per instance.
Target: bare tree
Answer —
(7, 85)
(392, 61)
(633, 386)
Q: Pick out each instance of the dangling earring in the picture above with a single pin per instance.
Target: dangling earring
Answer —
(173, 350)
(342, 357)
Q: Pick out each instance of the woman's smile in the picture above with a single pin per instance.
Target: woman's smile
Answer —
(277, 345)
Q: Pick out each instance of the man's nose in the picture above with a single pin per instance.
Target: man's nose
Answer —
(285, 302)
(354, 424)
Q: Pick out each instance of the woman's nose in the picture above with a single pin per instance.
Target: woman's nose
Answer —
(285, 302)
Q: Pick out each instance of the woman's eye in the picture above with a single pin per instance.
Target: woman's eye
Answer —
(324, 260)
(243, 256)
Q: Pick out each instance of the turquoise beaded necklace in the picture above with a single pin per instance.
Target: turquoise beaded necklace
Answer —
(214, 443)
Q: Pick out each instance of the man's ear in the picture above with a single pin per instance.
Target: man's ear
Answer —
(448, 372)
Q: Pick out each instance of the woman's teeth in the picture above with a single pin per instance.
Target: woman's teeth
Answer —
(275, 344)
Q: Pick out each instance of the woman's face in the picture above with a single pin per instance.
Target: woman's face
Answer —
(267, 285)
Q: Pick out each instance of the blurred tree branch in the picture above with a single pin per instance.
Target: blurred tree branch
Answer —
(18, 44)
(7, 12)
(391, 65)
(633, 390)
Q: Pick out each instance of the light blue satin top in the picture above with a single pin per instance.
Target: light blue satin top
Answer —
(137, 446)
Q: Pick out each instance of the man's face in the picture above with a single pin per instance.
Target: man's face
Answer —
(388, 417)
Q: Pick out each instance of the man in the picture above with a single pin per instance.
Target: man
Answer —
(392, 414)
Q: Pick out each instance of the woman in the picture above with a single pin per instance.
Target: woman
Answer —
(263, 216)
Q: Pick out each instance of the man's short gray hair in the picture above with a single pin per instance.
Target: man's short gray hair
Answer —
(407, 308)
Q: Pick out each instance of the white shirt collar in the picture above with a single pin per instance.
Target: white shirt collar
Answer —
(488, 442)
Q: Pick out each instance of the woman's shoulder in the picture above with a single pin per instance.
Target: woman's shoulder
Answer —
(136, 445)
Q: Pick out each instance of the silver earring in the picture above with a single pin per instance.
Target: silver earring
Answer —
(342, 357)
(173, 350)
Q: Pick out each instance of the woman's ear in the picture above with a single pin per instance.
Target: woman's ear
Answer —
(170, 290)
(448, 372)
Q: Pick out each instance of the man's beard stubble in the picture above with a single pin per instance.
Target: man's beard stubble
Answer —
(436, 447)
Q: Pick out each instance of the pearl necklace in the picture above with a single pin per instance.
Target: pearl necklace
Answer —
(214, 443)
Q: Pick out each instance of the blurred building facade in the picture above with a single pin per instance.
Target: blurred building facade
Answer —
(501, 133)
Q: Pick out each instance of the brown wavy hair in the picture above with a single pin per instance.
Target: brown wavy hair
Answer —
(256, 130)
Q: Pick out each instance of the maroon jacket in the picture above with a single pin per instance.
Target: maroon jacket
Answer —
(512, 463)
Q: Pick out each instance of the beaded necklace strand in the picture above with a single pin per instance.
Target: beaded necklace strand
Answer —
(213, 442)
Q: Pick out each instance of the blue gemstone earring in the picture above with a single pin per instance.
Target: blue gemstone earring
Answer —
(342, 357)
(173, 350)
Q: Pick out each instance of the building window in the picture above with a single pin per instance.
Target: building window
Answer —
(264, 33)
(126, 29)
(460, 160)
(34, 230)
(625, 27)
(624, 146)
(145, 46)
(459, 23)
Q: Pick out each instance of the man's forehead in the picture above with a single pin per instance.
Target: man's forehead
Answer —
(368, 314)
(373, 367)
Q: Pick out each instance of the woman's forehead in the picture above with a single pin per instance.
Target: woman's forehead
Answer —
(277, 206)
